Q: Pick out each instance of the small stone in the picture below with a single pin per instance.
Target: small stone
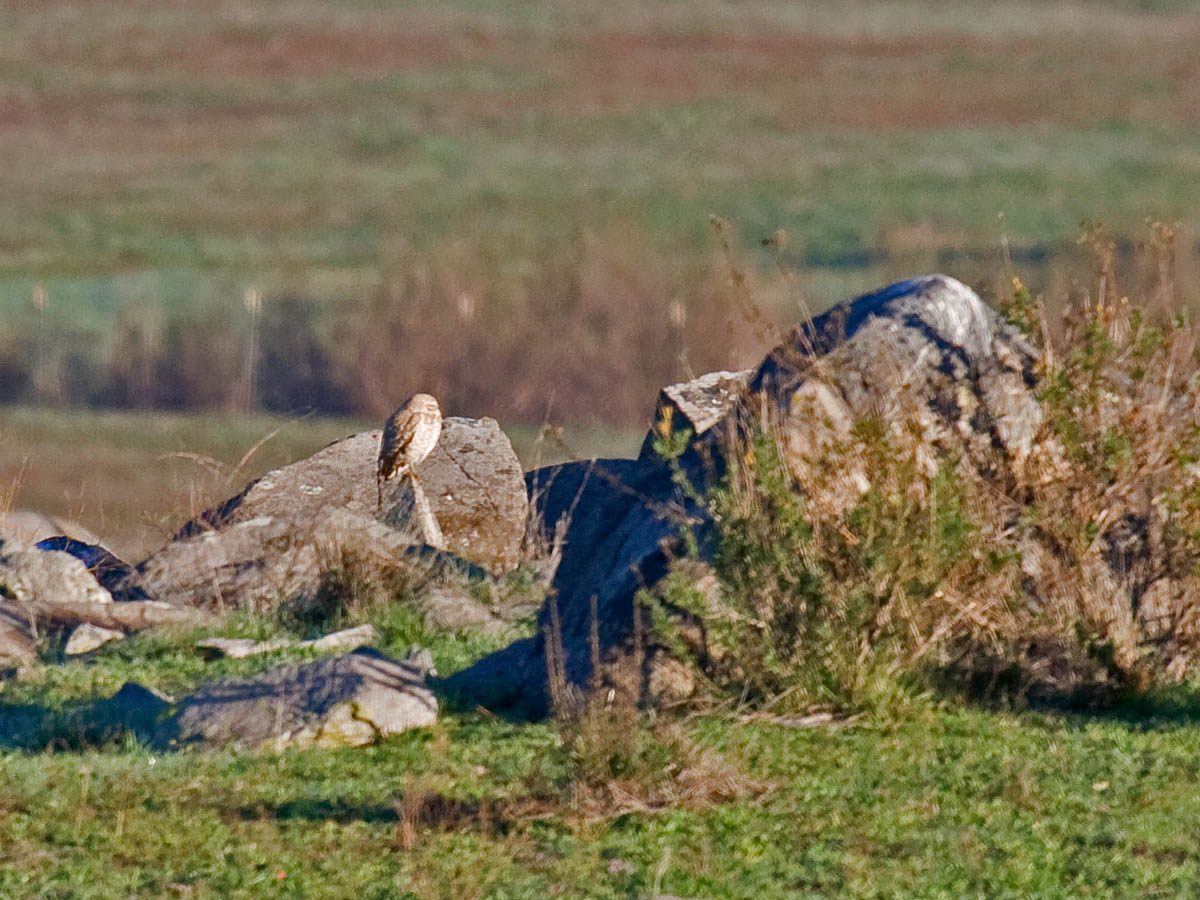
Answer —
(240, 648)
(618, 866)
(346, 639)
(452, 608)
(88, 637)
(421, 659)
(669, 679)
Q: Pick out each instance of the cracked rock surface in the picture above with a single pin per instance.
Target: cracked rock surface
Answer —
(342, 701)
(269, 541)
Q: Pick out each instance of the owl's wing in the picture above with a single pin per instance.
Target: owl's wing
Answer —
(397, 435)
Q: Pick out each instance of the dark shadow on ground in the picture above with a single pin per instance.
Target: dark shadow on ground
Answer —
(420, 810)
(133, 710)
(1171, 707)
(26, 726)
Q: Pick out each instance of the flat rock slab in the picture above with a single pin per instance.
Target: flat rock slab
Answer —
(238, 648)
(473, 481)
(348, 700)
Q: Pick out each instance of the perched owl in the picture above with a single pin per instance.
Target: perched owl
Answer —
(409, 436)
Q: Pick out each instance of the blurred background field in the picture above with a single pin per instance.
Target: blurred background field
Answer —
(288, 206)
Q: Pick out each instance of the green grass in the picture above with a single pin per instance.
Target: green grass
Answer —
(952, 802)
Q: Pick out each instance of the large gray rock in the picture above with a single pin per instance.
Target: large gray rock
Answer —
(472, 479)
(247, 565)
(28, 574)
(927, 348)
(926, 352)
(260, 563)
(348, 700)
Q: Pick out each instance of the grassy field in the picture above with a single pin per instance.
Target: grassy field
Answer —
(534, 168)
(294, 137)
(948, 802)
(508, 203)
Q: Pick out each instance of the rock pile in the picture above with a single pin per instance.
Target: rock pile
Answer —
(927, 347)
(926, 351)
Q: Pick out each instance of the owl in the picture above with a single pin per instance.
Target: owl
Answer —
(409, 436)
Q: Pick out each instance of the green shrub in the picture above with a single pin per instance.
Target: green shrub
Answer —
(833, 607)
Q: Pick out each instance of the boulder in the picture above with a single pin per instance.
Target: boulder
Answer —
(246, 565)
(927, 349)
(257, 564)
(618, 523)
(451, 607)
(31, 575)
(926, 352)
(474, 483)
(472, 480)
(88, 637)
(347, 700)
